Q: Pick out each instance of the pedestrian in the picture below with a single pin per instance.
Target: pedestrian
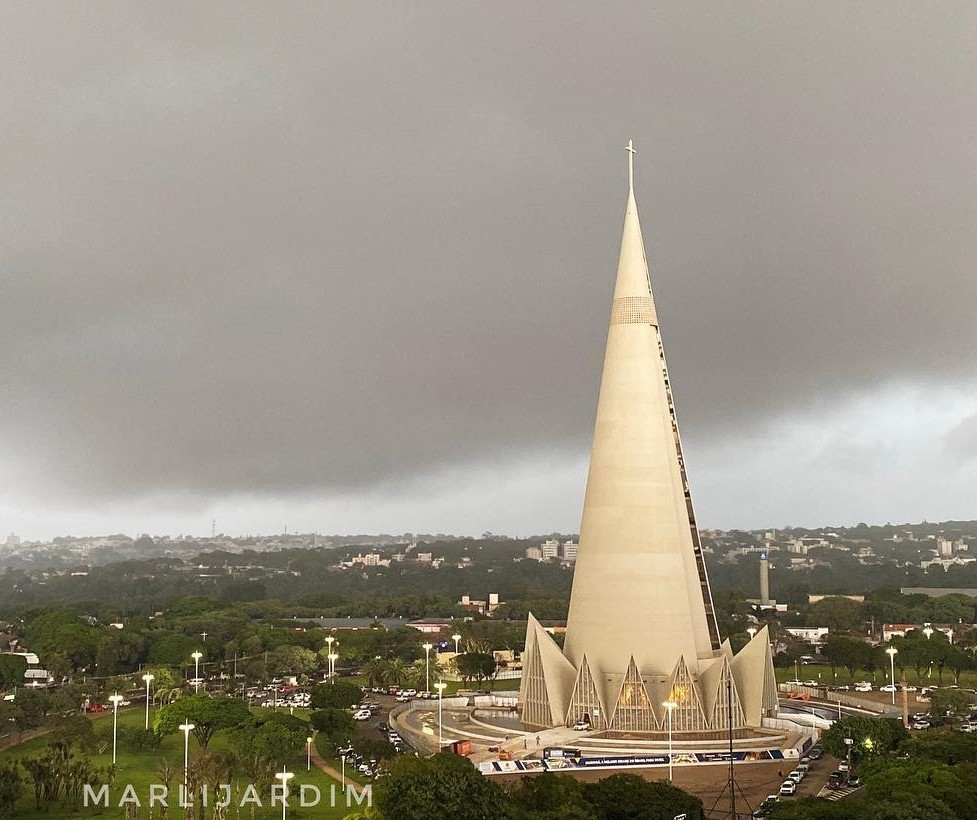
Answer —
(525, 743)
(537, 741)
(780, 773)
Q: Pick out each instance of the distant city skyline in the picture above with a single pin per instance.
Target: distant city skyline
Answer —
(348, 270)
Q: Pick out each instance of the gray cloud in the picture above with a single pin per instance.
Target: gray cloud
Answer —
(281, 250)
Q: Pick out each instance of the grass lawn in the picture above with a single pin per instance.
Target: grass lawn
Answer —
(824, 677)
(140, 769)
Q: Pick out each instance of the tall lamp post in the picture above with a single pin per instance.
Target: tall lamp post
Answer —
(116, 698)
(196, 669)
(669, 707)
(440, 686)
(332, 665)
(284, 777)
(427, 666)
(892, 652)
(186, 728)
(752, 631)
(329, 640)
(148, 677)
(456, 637)
(308, 754)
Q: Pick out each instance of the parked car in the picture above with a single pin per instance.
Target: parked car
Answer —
(854, 781)
(581, 726)
(363, 714)
(836, 780)
(797, 775)
(788, 788)
(815, 753)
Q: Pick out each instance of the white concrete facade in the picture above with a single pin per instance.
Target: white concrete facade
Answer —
(641, 628)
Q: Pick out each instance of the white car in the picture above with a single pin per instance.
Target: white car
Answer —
(863, 687)
(403, 697)
(788, 788)
(797, 775)
(581, 726)
(888, 688)
(363, 714)
(410, 692)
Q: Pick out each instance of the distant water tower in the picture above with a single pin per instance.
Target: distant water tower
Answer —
(764, 579)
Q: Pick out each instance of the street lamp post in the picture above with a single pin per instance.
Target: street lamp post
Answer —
(427, 666)
(308, 754)
(284, 777)
(892, 652)
(116, 698)
(456, 637)
(752, 631)
(440, 686)
(343, 756)
(848, 742)
(332, 666)
(148, 677)
(186, 728)
(928, 632)
(669, 707)
(196, 669)
(329, 640)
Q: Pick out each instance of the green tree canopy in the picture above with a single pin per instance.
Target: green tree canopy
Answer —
(208, 714)
(475, 665)
(443, 787)
(335, 695)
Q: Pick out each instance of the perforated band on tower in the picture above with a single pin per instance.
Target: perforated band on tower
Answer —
(633, 310)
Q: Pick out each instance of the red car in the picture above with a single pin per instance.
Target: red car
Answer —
(96, 707)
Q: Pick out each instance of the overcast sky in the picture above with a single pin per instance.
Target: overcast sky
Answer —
(347, 267)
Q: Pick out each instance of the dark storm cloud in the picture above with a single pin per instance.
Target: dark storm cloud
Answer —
(274, 248)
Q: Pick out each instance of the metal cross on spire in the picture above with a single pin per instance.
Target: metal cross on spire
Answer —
(631, 152)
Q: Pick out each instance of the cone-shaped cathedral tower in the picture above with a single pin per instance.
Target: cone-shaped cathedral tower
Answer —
(641, 629)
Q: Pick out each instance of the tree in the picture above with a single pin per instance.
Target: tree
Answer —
(75, 730)
(629, 797)
(851, 653)
(11, 783)
(207, 714)
(376, 671)
(475, 665)
(837, 613)
(950, 703)
(336, 724)
(273, 736)
(443, 787)
(335, 695)
(872, 737)
(12, 668)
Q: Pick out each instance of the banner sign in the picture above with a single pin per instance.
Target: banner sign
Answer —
(558, 759)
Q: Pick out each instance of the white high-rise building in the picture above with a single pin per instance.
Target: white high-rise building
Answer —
(550, 549)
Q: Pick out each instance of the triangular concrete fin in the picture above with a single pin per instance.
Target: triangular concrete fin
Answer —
(546, 679)
(688, 715)
(753, 674)
(586, 702)
(709, 674)
(721, 695)
(634, 710)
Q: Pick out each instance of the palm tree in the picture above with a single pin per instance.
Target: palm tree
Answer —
(395, 671)
(377, 671)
